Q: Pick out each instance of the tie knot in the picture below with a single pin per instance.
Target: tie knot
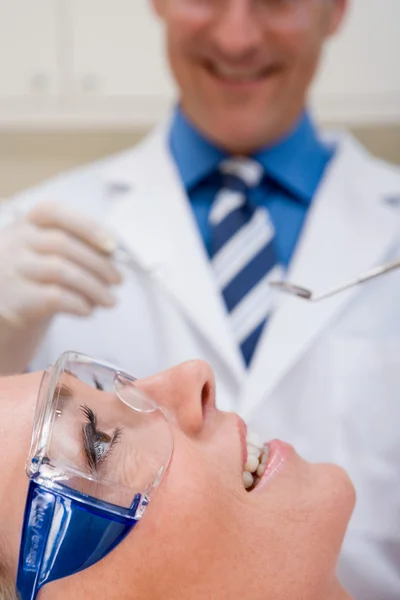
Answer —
(241, 171)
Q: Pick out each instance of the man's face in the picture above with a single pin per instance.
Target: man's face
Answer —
(243, 67)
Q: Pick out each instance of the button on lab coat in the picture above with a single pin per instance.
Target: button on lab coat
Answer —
(325, 377)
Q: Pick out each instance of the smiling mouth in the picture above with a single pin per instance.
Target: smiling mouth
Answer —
(256, 463)
(239, 75)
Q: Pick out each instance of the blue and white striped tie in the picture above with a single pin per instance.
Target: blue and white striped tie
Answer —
(242, 252)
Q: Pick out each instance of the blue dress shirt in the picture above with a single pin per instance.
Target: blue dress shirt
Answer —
(293, 170)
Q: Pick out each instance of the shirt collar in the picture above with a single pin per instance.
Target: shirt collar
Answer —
(296, 162)
(194, 155)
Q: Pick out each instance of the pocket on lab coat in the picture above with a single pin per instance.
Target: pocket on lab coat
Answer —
(366, 395)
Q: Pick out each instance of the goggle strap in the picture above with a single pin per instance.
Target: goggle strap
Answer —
(38, 518)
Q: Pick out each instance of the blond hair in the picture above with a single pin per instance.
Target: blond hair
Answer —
(8, 591)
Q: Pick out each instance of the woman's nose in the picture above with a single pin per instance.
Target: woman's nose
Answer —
(187, 391)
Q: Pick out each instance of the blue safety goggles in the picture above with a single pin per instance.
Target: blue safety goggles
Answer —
(99, 450)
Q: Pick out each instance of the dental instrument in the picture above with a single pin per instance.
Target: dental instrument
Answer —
(301, 292)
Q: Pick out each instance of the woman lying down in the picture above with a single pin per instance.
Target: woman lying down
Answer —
(143, 489)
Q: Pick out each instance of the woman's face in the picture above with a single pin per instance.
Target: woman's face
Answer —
(204, 536)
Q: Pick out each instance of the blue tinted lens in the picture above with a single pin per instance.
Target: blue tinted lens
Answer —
(65, 532)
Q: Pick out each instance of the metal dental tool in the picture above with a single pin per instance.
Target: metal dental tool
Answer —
(295, 290)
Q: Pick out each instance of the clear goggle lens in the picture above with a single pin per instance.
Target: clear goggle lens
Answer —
(97, 433)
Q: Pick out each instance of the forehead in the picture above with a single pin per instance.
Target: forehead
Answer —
(71, 393)
(279, 15)
(113, 398)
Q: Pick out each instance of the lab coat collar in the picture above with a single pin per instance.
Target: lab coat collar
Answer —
(349, 229)
(154, 219)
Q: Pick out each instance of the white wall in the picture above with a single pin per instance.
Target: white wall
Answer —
(99, 63)
(360, 75)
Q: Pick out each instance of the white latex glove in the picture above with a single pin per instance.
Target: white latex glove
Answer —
(52, 260)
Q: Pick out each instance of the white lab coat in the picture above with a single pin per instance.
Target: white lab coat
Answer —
(325, 377)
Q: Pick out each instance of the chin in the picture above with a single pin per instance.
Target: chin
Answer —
(237, 135)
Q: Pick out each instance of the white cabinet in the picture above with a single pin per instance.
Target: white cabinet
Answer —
(28, 49)
(360, 74)
(101, 63)
(117, 48)
(117, 56)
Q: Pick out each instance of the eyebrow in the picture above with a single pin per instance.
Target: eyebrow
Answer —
(62, 395)
(63, 391)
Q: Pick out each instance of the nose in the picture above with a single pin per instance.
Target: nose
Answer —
(187, 391)
(237, 32)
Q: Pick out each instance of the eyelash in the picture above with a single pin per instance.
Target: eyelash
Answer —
(98, 385)
(96, 443)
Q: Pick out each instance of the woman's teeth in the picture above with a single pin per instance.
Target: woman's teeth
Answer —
(252, 463)
(257, 458)
(248, 479)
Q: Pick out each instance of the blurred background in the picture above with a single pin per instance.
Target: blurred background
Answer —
(80, 79)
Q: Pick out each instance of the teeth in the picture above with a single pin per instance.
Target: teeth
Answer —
(265, 456)
(257, 458)
(253, 451)
(261, 469)
(237, 74)
(253, 439)
(252, 464)
(248, 480)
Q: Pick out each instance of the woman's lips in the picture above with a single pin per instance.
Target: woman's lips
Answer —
(279, 453)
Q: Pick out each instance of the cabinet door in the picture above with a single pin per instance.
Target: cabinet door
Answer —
(28, 48)
(117, 50)
(360, 74)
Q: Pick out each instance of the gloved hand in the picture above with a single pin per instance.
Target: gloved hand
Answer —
(52, 260)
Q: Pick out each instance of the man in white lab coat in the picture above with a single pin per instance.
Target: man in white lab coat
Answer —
(207, 232)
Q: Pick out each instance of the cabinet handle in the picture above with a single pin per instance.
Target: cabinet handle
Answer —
(90, 83)
(40, 82)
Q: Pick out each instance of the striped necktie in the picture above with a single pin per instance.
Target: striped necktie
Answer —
(242, 252)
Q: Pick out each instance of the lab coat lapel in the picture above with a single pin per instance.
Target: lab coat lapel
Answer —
(154, 219)
(347, 232)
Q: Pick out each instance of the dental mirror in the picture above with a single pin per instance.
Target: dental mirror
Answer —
(301, 292)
